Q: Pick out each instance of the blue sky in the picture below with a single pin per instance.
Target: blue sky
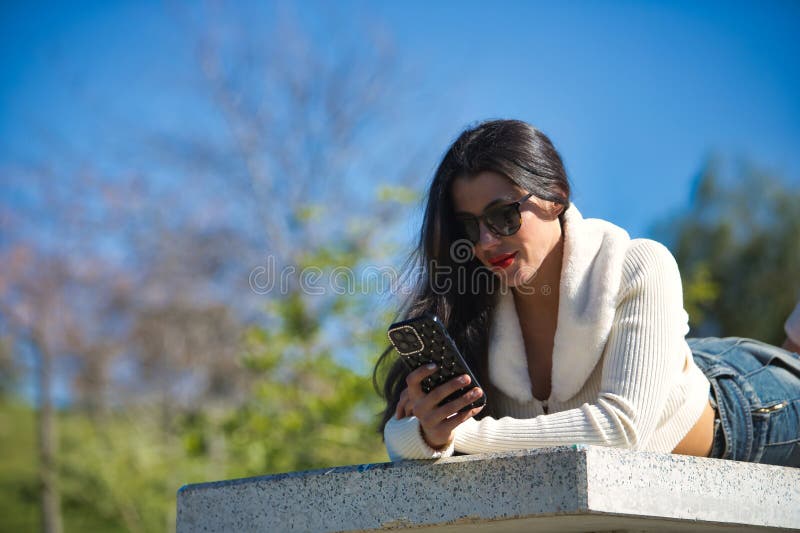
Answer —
(635, 95)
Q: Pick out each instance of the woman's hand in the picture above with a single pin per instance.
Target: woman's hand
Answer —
(437, 423)
(403, 406)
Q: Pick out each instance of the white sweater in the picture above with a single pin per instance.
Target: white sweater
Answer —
(622, 372)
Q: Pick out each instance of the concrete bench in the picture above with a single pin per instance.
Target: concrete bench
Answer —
(567, 488)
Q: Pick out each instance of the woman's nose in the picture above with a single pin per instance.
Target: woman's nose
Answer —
(487, 237)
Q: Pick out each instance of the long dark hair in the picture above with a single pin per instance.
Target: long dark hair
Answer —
(461, 291)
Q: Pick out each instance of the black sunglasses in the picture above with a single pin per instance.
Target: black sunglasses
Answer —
(502, 220)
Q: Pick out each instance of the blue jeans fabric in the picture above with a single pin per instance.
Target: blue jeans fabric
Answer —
(756, 388)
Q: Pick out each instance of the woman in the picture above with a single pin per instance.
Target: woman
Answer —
(578, 334)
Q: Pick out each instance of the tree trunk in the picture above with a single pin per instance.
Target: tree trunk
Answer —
(46, 426)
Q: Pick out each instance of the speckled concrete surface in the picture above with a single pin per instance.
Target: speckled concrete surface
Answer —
(577, 488)
(693, 488)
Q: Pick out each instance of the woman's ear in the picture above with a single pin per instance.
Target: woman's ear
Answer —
(555, 209)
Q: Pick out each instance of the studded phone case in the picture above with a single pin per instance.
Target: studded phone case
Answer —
(423, 340)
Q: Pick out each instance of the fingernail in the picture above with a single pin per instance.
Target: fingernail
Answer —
(430, 366)
(463, 379)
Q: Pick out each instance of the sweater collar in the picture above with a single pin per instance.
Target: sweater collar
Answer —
(594, 251)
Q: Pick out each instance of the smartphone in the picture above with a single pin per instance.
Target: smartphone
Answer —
(424, 340)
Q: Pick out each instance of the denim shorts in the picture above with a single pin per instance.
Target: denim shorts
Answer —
(755, 388)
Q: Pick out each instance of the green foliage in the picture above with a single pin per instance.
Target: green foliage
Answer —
(306, 409)
(738, 250)
(121, 473)
(19, 499)
(18, 489)
(700, 291)
(309, 404)
(127, 468)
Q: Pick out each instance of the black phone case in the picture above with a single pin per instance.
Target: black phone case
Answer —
(423, 340)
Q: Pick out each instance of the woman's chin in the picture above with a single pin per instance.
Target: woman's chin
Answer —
(516, 276)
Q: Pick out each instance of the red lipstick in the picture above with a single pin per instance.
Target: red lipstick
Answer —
(502, 261)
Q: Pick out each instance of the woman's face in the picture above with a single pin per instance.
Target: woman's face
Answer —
(514, 258)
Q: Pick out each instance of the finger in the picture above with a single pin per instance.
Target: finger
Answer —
(456, 420)
(416, 377)
(440, 429)
(442, 392)
(437, 395)
(402, 405)
(407, 409)
(455, 405)
(403, 410)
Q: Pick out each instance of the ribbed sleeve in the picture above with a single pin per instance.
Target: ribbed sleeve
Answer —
(643, 360)
(404, 441)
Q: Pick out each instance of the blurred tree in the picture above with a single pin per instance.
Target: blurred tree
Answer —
(738, 248)
(144, 261)
(32, 307)
(9, 369)
(302, 409)
(187, 353)
(307, 410)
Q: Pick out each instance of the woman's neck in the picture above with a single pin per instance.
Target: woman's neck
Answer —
(539, 296)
